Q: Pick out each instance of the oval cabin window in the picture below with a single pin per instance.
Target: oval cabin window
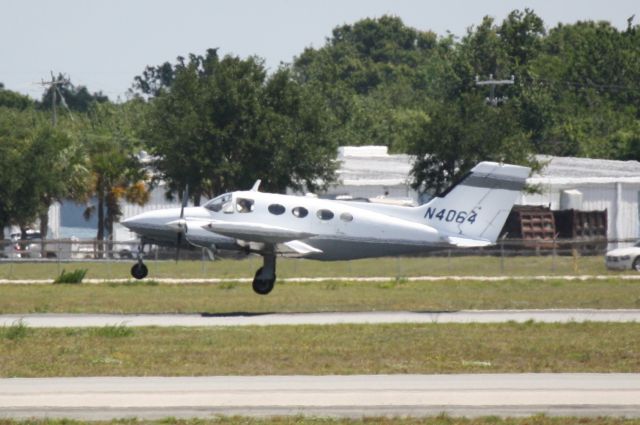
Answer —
(324, 214)
(299, 212)
(276, 209)
(346, 217)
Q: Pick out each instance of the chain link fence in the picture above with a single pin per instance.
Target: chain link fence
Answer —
(45, 259)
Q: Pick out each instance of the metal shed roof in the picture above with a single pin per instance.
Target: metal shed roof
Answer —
(571, 170)
(373, 165)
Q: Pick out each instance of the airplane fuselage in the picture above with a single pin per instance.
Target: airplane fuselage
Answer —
(337, 230)
(469, 214)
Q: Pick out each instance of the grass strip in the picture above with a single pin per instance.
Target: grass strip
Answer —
(303, 420)
(147, 297)
(321, 350)
(488, 265)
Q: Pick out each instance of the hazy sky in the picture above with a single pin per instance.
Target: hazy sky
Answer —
(103, 45)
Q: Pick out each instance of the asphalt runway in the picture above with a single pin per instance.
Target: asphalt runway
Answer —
(353, 396)
(269, 319)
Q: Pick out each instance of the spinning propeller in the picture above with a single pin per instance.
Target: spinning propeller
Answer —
(181, 224)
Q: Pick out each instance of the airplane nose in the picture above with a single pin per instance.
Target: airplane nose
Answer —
(151, 219)
(130, 223)
(142, 220)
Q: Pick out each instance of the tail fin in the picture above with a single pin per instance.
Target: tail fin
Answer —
(473, 212)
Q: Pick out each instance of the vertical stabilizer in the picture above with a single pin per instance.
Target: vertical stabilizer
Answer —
(477, 207)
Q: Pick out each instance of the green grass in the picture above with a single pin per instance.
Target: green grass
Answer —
(322, 350)
(151, 297)
(302, 420)
(390, 267)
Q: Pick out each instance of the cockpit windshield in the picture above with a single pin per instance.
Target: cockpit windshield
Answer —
(221, 203)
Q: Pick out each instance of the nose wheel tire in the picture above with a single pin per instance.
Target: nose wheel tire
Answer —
(139, 271)
(261, 285)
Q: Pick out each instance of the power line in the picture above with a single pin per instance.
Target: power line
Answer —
(492, 83)
(602, 87)
(54, 84)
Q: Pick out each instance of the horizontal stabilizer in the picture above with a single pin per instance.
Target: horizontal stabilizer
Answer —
(467, 243)
(256, 232)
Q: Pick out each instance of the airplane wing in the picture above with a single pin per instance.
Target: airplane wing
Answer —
(297, 248)
(258, 232)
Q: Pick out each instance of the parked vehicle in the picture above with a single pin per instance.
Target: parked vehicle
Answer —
(624, 258)
(27, 246)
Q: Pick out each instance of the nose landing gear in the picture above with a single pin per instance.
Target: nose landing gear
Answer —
(139, 270)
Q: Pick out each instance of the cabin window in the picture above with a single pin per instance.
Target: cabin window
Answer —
(345, 216)
(324, 214)
(276, 209)
(300, 212)
(220, 203)
(245, 205)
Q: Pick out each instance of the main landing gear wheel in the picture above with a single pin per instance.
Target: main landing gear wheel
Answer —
(636, 264)
(139, 271)
(263, 285)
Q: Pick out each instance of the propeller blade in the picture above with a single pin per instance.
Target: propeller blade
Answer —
(178, 243)
(182, 224)
(185, 200)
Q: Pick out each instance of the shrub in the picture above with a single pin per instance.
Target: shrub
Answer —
(75, 276)
(114, 331)
(17, 330)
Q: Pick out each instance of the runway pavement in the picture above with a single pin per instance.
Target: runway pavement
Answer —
(417, 395)
(267, 319)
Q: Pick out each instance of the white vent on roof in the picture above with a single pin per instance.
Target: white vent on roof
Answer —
(570, 199)
(362, 151)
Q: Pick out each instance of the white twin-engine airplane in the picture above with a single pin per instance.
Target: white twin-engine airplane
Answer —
(469, 214)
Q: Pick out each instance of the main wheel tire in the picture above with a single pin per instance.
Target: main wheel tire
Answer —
(139, 271)
(262, 286)
(636, 264)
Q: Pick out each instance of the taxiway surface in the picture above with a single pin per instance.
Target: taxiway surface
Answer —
(268, 319)
(358, 395)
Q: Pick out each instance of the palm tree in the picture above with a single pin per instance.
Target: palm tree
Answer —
(116, 169)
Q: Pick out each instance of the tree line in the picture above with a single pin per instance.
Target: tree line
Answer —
(218, 123)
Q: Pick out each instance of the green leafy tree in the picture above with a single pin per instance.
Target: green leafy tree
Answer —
(58, 170)
(372, 74)
(461, 134)
(14, 131)
(42, 164)
(583, 93)
(292, 146)
(14, 100)
(220, 124)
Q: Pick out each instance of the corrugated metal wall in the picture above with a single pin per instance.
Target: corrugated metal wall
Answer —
(54, 221)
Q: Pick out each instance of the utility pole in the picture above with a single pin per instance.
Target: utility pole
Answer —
(492, 99)
(54, 92)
